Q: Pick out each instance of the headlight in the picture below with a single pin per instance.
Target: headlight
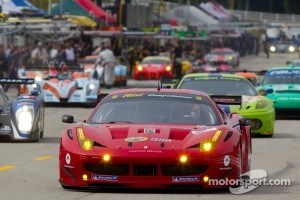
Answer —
(230, 58)
(38, 78)
(208, 145)
(262, 92)
(168, 68)
(91, 86)
(25, 118)
(261, 104)
(139, 68)
(34, 86)
(85, 143)
(291, 48)
(272, 48)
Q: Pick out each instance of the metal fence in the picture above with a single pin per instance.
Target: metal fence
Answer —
(265, 17)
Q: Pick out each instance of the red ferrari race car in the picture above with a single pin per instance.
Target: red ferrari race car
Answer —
(220, 56)
(155, 138)
(153, 67)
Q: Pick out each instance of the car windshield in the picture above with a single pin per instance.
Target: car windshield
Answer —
(220, 87)
(155, 110)
(155, 61)
(282, 77)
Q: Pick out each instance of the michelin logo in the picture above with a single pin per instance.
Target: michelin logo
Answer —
(104, 177)
(185, 178)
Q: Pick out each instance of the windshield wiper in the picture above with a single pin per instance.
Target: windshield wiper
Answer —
(116, 122)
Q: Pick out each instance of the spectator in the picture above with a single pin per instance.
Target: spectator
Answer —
(25, 57)
(3, 62)
(177, 53)
(70, 54)
(39, 55)
(107, 58)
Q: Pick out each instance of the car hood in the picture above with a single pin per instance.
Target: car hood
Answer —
(151, 135)
(249, 104)
(282, 88)
(155, 65)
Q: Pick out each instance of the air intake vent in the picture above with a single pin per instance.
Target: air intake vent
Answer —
(119, 133)
(178, 134)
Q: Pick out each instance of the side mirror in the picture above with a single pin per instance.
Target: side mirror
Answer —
(245, 122)
(270, 90)
(67, 119)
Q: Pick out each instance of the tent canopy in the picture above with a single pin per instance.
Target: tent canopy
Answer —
(8, 7)
(190, 15)
(28, 9)
(69, 7)
(82, 8)
(95, 10)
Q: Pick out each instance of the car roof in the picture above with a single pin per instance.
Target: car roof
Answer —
(285, 67)
(157, 57)
(221, 50)
(192, 75)
(247, 74)
(161, 90)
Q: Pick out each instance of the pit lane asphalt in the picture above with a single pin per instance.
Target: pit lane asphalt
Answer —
(30, 170)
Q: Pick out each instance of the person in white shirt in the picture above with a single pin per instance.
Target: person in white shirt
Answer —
(70, 54)
(107, 58)
(39, 54)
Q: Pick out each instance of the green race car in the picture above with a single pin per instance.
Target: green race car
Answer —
(259, 109)
(282, 85)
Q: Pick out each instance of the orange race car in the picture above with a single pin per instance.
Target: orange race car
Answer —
(251, 76)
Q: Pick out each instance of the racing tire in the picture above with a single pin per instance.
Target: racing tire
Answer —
(240, 178)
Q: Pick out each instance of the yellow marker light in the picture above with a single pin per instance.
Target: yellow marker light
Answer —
(84, 177)
(216, 136)
(85, 143)
(205, 179)
(168, 68)
(183, 159)
(106, 157)
(80, 133)
(139, 68)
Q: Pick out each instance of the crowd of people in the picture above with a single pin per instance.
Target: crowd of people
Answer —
(135, 49)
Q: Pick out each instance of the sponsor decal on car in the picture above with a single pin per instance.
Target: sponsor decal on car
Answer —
(104, 177)
(68, 158)
(136, 139)
(160, 140)
(132, 95)
(149, 130)
(226, 160)
(144, 151)
(185, 178)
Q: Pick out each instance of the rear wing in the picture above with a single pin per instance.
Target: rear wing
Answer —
(228, 100)
(17, 80)
(168, 82)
